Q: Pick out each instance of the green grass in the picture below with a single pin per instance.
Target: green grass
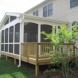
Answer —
(8, 70)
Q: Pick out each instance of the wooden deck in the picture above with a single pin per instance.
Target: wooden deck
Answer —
(34, 53)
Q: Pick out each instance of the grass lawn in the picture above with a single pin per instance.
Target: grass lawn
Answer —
(8, 70)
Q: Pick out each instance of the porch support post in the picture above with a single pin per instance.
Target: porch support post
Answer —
(39, 36)
(39, 40)
(22, 32)
(56, 28)
(36, 70)
(15, 61)
(6, 57)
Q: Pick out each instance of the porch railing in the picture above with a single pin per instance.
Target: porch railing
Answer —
(37, 49)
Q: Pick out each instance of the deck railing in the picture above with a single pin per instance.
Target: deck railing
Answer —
(37, 49)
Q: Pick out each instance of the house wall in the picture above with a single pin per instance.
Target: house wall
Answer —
(61, 10)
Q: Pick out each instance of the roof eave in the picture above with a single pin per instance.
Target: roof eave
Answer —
(35, 6)
(45, 19)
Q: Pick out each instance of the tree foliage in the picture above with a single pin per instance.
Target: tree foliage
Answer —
(64, 35)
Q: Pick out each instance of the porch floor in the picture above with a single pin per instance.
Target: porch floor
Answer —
(42, 60)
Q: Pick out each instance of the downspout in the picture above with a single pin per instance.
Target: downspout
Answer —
(21, 40)
(0, 43)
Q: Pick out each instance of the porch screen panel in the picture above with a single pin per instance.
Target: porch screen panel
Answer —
(2, 36)
(6, 35)
(11, 34)
(10, 48)
(16, 49)
(2, 47)
(17, 32)
(6, 47)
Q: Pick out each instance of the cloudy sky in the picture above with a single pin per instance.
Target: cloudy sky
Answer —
(16, 6)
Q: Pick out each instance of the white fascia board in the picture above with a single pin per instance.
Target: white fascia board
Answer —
(3, 19)
(45, 19)
(11, 23)
(13, 14)
(9, 14)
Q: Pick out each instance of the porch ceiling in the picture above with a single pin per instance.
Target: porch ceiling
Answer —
(42, 20)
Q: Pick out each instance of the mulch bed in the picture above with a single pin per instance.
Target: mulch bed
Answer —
(58, 74)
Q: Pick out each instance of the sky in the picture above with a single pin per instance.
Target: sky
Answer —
(19, 6)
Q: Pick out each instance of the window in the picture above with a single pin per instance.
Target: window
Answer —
(45, 11)
(11, 48)
(35, 13)
(74, 22)
(73, 3)
(6, 35)
(2, 47)
(17, 32)
(6, 47)
(11, 34)
(12, 18)
(16, 49)
(48, 10)
(2, 36)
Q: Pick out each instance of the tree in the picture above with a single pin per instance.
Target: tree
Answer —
(64, 35)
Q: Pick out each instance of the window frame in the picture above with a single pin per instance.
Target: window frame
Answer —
(73, 3)
(6, 35)
(35, 13)
(11, 34)
(17, 33)
(45, 13)
(48, 10)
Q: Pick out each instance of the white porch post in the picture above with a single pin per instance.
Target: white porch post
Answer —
(56, 28)
(22, 32)
(39, 37)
